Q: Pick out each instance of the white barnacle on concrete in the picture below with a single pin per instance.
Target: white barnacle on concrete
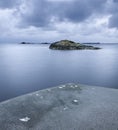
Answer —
(25, 119)
(75, 101)
(65, 108)
(60, 87)
(72, 86)
(63, 86)
(76, 86)
(37, 94)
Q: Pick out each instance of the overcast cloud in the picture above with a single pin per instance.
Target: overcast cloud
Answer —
(51, 20)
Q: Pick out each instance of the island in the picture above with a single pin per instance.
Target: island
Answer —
(92, 43)
(34, 43)
(26, 43)
(70, 45)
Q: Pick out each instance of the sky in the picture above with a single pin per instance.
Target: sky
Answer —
(52, 20)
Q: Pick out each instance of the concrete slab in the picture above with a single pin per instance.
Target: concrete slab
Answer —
(66, 107)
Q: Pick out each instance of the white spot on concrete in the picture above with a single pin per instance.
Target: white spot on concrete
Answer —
(60, 87)
(75, 101)
(72, 86)
(63, 86)
(76, 86)
(65, 108)
(37, 94)
(25, 119)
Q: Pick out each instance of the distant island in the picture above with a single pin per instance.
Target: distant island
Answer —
(33, 43)
(67, 45)
(70, 45)
(26, 43)
(91, 43)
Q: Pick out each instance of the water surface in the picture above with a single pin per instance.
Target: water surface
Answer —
(27, 68)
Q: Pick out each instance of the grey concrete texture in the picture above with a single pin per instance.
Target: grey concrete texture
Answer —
(65, 107)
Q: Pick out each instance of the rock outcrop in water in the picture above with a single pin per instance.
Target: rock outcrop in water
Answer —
(70, 45)
(34, 43)
(26, 43)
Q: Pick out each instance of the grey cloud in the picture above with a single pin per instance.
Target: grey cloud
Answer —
(42, 11)
(113, 21)
(81, 10)
(39, 13)
(9, 3)
(115, 1)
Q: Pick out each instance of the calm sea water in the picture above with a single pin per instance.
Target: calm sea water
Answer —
(27, 68)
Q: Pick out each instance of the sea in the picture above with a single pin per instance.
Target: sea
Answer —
(26, 68)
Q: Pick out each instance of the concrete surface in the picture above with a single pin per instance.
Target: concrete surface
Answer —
(66, 107)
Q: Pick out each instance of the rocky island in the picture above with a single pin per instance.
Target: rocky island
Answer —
(34, 43)
(26, 43)
(70, 45)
